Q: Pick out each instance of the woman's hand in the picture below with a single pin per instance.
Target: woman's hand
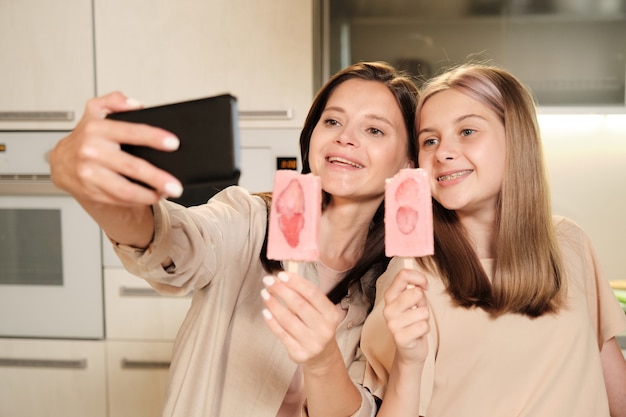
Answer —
(406, 313)
(306, 321)
(303, 318)
(90, 164)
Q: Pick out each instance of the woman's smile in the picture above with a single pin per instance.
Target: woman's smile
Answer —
(343, 162)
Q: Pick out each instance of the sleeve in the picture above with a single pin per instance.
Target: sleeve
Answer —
(201, 241)
(604, 307)
(368, 407)
(357, 368)
(582, 263)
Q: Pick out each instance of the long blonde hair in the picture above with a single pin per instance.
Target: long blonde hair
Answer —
(528, 276)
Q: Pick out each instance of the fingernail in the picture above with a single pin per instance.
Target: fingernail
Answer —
(171, 142)
(268, 280)
(133, 103)
(283, 276)
(265, 294)
(267, 314)
(173, 189)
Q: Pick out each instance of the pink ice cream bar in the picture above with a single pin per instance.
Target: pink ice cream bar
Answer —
(295, 217)
(408, 214)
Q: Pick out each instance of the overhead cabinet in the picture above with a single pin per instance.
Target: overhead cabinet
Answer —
(54, 56)
(164, 51)
(570, 53)
(46, 63)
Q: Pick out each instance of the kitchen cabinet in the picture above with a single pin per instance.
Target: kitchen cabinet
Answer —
(46, 63)
(137, 377)
(140, 326)
(570, 53)
(51, 378)
(162, 51)
(135, 311)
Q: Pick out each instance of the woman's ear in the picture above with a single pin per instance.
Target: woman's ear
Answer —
(410, 164)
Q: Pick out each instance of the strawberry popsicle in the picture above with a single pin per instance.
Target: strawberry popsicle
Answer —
(294, 217)
(408, 215)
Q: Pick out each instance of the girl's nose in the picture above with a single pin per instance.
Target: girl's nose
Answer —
(446, 151)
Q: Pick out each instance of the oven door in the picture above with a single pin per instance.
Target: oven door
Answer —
(50, 268)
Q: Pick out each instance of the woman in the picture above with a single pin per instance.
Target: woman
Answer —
(226, 361)
(512, 315)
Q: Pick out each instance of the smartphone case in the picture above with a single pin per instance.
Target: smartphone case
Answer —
(208, 158)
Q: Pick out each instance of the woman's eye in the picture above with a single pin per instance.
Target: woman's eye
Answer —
(467, 132)
(375, 132)
(429, 142)
(331, 122)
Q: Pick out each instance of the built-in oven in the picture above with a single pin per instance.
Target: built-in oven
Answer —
(50, 249)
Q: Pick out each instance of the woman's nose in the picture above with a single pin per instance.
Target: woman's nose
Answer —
(346, 137)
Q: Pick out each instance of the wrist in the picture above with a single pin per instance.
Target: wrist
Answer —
(325, 363)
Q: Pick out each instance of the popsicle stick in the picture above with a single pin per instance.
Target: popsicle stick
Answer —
(409, 263)
(292, 266)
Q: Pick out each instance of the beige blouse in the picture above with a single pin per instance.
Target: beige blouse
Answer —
(226, 362)
(512, 365)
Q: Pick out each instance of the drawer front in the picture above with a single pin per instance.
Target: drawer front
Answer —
(52, 378)
(137, 377)
(134, 311)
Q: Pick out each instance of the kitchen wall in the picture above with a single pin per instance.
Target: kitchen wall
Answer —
(586, 157)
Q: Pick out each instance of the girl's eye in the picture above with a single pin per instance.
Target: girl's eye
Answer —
(467, 132)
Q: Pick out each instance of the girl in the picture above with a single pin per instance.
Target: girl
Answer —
(512, 316)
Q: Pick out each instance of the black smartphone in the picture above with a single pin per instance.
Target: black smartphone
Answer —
(207, 159)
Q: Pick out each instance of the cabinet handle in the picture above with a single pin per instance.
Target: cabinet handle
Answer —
(144, 292)
(36, 116)
(131, 364)
(44, 363)
(266, 114)
(138, 292)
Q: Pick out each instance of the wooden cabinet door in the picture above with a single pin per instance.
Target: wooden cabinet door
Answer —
(135, 311)
(46, 63)
(163, 51)
(137, 377)
(51, 378)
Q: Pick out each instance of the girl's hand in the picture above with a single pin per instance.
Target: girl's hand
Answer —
(90, 164)
(303, 318)
(406, 313)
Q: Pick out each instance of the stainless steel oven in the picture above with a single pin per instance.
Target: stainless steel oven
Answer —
(50, 249)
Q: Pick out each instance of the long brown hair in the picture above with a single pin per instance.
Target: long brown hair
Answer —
(528, 275)
(361, 279)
